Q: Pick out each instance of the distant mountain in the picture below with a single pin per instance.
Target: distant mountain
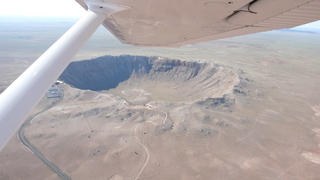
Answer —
(310, 31)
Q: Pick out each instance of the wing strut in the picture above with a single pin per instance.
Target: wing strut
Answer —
(17, 101)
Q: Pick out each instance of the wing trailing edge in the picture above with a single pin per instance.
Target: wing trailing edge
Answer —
(174, 23)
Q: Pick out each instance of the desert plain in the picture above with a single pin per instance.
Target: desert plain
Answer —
(246, 107)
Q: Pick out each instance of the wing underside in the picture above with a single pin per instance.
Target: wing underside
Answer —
(180, 22)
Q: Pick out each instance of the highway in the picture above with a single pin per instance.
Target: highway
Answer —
(24, 140)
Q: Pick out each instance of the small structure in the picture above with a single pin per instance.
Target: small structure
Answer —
(148, 106)
(58, 82)
(54, 92)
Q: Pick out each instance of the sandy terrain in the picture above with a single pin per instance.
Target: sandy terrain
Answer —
(265, 127)
(93, 135)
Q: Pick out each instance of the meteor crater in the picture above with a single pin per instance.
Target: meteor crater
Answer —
(141, 79)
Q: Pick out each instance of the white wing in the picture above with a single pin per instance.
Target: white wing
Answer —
(179, 22)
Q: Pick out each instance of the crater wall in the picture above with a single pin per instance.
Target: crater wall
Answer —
(141, 79)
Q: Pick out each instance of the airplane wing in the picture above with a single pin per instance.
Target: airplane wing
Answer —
(180, 22)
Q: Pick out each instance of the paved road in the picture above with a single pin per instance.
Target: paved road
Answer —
(33, 149)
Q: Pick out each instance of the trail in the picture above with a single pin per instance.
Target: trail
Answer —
(229, 145)
(292, 96)
(141, 143)
(144, 147)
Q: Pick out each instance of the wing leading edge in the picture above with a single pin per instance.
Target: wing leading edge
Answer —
(176, 23)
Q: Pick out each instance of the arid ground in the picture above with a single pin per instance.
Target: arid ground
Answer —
(240, 108)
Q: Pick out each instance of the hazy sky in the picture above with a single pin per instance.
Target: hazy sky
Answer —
(67, 8)
(62, 8)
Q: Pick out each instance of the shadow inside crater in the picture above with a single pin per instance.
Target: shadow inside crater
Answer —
(142, 78)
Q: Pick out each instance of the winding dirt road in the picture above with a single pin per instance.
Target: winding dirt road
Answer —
(141, 143)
